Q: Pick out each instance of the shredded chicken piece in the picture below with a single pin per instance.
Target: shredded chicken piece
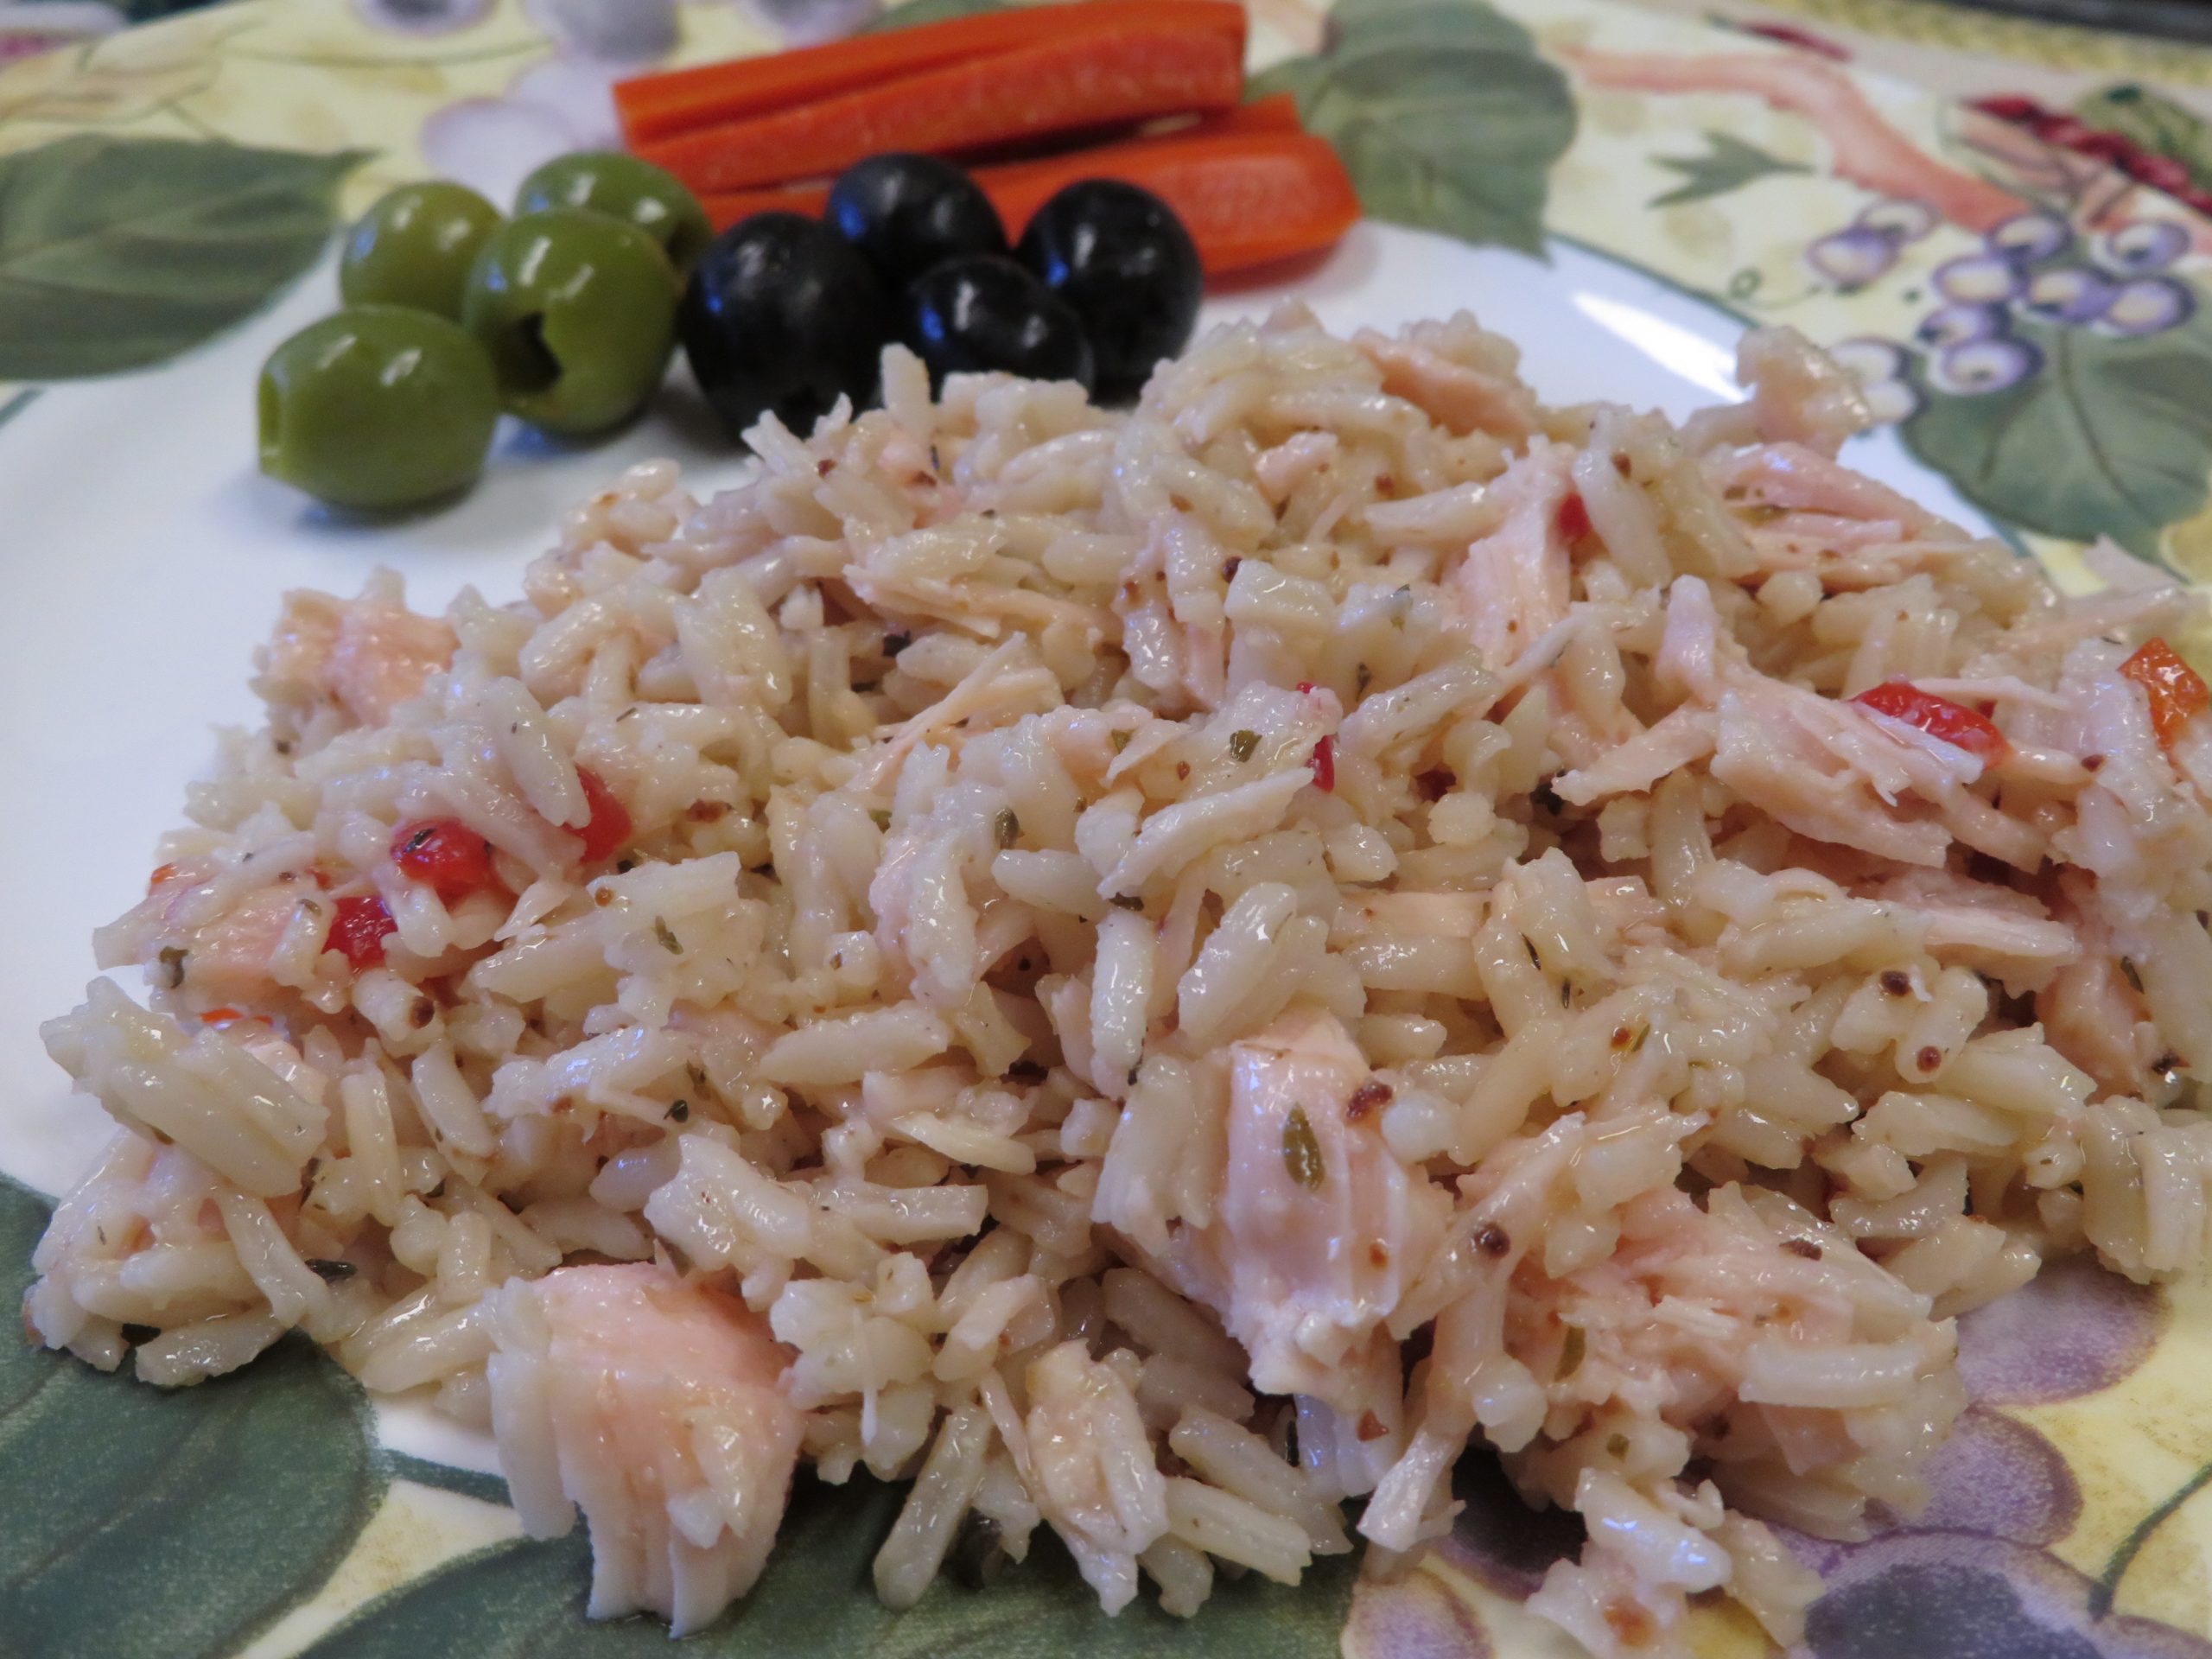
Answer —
(659, 1407)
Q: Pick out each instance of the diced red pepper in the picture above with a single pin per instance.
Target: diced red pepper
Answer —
(359, 929)
(2009, 107)
(1574, 519)
(162, 873)
(1325, 765)
(446, 856)
(1952, 722)
(2177, 693)
(608, 826)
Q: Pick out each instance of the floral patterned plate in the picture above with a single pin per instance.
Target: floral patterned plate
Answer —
(2019, 283)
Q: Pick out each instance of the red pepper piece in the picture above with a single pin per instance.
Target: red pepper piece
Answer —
(1952, 722)
(446, 856)
(608, 826)
(1325, 765)
(359, 929)
(1574, 519)
(2176, 691)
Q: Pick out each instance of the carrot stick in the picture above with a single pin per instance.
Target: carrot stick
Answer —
(1087, 81)
(657, 107)
(1278, 112)
(1248, 198)
(1275, 113)
(727, 208)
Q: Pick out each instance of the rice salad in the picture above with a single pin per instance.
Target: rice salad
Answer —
(1153, 973)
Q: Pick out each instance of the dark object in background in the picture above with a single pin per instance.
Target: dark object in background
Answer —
(1126, 266)
(905, 213)
(985, 312)
(782, 315)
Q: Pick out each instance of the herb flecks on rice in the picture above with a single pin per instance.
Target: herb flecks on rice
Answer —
(1035, 951)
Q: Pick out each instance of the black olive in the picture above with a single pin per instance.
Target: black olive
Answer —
(1122, 258)
(782, 315)
(906, 214)
(985, 312)
(978, 1551)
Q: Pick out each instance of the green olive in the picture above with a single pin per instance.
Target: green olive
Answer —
(578, 311)
(378, 407)
(609, 181)
(415, 247)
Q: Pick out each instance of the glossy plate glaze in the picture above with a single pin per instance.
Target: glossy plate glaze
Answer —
(1620, 192)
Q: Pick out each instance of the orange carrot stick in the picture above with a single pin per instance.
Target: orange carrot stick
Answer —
(1087, 81)
(1248, 198)
(1275, 113)
(657, 107)
(729, 207)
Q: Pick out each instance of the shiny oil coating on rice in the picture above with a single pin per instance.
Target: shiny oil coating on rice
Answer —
(1130, 926)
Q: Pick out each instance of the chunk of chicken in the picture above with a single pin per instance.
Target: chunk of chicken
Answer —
(1991, 929)
(218, 940)
(1320, 1229)
(1793, 478)
(1828, 769)
(1799, 394)
(1093, 1465)
(369, 655)
(1516, 583)
(659, 1407)
(2091, 1012)
(1456, 374)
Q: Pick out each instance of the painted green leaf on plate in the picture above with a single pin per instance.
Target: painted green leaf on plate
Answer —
(144, 1523)
(2110, 436)
(1728, 164)
(1443, 111)
(119, 253)
(525, 1601)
